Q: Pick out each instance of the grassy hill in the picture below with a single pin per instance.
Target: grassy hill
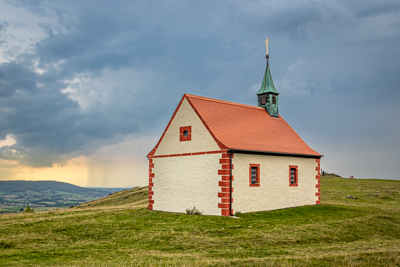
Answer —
(357, 224)
(129, 198)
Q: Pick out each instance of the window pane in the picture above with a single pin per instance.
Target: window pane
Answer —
(253, 175)
(292, 176)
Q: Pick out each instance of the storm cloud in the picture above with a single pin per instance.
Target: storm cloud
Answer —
(76, 76)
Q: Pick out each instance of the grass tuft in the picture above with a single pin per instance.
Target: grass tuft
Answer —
(193, 211)
(5, 244)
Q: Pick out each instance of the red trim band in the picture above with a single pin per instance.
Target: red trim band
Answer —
(188, 154)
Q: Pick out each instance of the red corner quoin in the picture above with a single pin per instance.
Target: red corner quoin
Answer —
(151, 176)
(318, 185)
(224, 184)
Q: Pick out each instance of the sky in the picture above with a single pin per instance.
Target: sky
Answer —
(88, 87)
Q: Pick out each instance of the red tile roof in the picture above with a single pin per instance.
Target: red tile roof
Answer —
(244, 127)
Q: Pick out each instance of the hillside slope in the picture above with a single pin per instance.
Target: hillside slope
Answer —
(130, 198)
(361, 230)
(360, 192)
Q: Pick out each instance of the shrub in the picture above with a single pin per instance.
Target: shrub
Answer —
(193, 211)
(29, 209)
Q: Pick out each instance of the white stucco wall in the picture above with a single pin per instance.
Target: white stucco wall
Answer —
(185, 182)
(274, 191)
(201, 138)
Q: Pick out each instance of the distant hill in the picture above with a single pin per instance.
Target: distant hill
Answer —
(7, 187)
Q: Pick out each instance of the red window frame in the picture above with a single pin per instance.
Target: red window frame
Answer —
(182, 137)
(296, 175)
(258, 175)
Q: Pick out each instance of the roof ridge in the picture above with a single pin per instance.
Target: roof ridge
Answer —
(223, 101)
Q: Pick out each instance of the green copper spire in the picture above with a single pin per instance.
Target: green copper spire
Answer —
(268, 95)
(267, 85)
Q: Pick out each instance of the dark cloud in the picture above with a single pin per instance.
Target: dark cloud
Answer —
(372, 8)
(15, 77)
(47, 123)
(106, 70)
(3, 27)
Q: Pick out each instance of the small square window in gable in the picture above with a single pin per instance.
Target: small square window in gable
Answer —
(185, 133)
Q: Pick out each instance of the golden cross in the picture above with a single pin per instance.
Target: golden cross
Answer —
(266, 43)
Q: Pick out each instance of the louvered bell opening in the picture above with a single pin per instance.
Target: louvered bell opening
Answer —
(263, 100)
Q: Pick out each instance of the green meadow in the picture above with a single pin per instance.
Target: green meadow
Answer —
(357, 224)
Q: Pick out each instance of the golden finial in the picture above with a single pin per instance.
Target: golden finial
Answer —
(266, 44)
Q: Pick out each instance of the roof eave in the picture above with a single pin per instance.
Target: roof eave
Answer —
(243, 151)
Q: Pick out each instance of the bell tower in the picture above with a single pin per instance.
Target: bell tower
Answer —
(268, 95)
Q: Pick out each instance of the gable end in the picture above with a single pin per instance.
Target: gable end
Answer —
(169, 148)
